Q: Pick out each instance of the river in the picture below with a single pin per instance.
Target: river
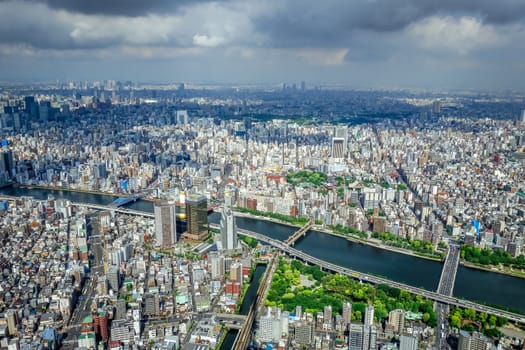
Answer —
(471, 284)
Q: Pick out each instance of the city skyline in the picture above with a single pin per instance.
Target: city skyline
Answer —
(379, 44)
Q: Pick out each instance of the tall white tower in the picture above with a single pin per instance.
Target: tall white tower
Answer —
(228, 230)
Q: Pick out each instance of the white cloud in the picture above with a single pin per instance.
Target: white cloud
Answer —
(457, 34)
(207, 41)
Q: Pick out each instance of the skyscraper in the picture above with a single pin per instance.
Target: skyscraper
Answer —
(196, 217)
(436, 107)
(165, 224)
(182, 117)
(369, 315)
(228, 230)
(347, 313)
(338, 147)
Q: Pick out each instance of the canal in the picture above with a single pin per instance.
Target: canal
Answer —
(247, 302)
(480, 286)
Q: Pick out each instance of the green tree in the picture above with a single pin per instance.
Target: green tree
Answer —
(455, 321)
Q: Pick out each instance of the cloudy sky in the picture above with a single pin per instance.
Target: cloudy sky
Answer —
(358, 43)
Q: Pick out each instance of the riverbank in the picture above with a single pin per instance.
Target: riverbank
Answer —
(379, 245)
(375, 244)
(319, 228)
(492, 269)
(67, 189)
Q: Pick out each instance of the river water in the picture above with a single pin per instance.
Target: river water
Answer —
(471, 284)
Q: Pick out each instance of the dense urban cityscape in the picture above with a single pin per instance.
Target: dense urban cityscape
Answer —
(185, 216)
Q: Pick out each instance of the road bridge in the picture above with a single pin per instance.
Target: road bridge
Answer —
(446, 299)
(108, 207)
(301, 232)
(448, 274)
(446, 287)
(125, 200)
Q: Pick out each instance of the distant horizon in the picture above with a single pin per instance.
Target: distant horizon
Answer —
(277, 86)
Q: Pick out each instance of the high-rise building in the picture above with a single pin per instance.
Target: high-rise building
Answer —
(369, 337)
(347, 313)
(304, 332)
(165, 224)
(379, 224)
(327, 315)
(101, 325)
(273, 325)
(369, 315)
(474, 341)
(436, 107)
(216, 265)
(396, 320)
(356, 336)
(151, 305)
(113, 276)
(408, 342)
(182, 117)
(228, 230)
(12, 322)
(338, 147)
(196, 217)
(236, 272)
(298, 312)
(100, 170)
(523, 116)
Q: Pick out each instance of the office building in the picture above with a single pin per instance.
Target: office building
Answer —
(338, 147)
(408, 342)
(165, 224)
(369, 337)
(229, 239)
(151, 305)
(356, 336)
(196, 218)
(113, 276)
(369, 315)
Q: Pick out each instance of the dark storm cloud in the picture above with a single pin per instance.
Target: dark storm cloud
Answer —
(297, 23)
(131, 8)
